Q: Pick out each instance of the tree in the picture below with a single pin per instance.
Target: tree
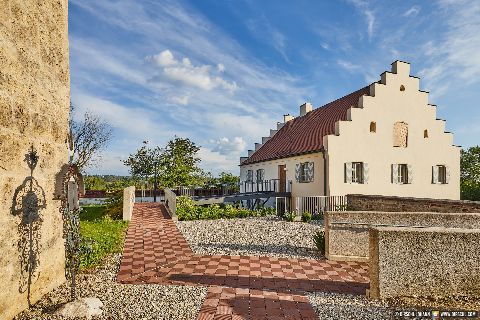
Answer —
(229, 180)
(470, 173)
(90, 137)
(179, 163)
(145, 164)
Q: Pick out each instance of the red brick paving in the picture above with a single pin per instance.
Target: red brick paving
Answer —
(240, 287)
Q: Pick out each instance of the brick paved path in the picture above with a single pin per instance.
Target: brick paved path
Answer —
(240, 287)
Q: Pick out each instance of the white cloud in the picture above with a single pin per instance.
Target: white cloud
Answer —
(186, 73)
(220, 67)
(348, 65)
(364, 7)
(220, 162)
(227, 146)
(413, 11)
(180, 100)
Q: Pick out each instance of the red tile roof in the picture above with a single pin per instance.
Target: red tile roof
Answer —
(305, 134)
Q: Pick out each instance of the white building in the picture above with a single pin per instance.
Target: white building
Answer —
(383, 139)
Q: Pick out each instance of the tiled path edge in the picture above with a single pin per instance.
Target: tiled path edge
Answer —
(240, 287)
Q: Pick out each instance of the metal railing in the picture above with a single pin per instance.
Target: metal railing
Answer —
(272, 185)
(317, 204)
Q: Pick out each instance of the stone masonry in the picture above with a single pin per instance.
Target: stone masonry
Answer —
(359, 202)
(34, 111)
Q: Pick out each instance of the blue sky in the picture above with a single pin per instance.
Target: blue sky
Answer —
(222, 73)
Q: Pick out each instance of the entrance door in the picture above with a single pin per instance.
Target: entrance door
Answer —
(282, 177)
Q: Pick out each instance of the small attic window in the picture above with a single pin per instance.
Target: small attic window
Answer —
(373, 126)
(402, 87)
(425, 133)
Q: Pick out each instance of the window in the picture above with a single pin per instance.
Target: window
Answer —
(440, 174)
(249, 175)
(400, 134)
(304, 172)
(402, 88)
(425, 133)
(402, 174)
(260, 174)
(373, 126)
(356, 172)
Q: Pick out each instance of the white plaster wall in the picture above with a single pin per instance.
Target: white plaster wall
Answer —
(387, 105)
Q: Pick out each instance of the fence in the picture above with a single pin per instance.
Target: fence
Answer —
(171, 201)
(318, 204)
(272, 185)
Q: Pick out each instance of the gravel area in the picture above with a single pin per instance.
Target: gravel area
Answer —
(124, 301)
(345, 306)
(261, 236)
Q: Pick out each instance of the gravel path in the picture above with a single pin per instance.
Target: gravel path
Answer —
(261, 236)
(344, 306)
(121, 301)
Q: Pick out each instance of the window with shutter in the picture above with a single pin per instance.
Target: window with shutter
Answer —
(297, 172)
(357, 172)
(402, 174)
(348, 172)
(447, 175)
(366, 173)
(310, 171)
(435, 174)
(395, 173)
(409, 173)
(441, 174)
(260, 174)
(306, 172)
(249, 175)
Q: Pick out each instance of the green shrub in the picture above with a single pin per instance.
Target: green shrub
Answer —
(186, 208)
(319, 239)
(318, 216)
(306, 216)
(114, 205)
(289, 216)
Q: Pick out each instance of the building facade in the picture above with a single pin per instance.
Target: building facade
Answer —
(383, 139)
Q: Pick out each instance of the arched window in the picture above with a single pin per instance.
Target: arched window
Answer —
(400, 134)
(425, 133)
(373, 126)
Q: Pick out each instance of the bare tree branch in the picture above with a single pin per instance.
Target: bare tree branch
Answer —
(90, 137)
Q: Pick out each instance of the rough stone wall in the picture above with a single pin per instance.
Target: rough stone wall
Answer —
(358, 202)
(430, 263)
(34, 111)
(346, 232)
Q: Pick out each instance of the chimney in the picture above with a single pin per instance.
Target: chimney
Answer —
(305, 108)
(272, 132)
(257, 146)
(280, 125)
(265, 139)
(243, 159)
(287, 117)
(250, 152)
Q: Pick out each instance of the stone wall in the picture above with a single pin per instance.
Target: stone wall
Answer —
(34, 111)
(358, 202)
(346, 232)
(431, 263)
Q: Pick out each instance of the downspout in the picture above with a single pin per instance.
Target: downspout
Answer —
(324, 172)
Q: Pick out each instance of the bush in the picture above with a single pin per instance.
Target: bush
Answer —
(317, 215)
(306, 216)
(289, 216)
(187, 210)
(114, 205)
(319, 239)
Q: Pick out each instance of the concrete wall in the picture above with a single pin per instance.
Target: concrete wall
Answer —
(432, 262)
(386, 105)
(358, 202)
(299, 189)
(346, 232)
(34, 110)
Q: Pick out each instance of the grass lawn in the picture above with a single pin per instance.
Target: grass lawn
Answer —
(101, 233)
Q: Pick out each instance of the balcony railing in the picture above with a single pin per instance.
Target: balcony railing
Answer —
(272, 185)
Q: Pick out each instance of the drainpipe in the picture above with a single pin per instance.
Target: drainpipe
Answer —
(324, 153)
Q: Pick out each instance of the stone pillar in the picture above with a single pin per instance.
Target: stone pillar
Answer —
(128, 202)
(34, 112)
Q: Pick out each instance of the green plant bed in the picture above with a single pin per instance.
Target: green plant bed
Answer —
(187, 210)
(100, 235)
